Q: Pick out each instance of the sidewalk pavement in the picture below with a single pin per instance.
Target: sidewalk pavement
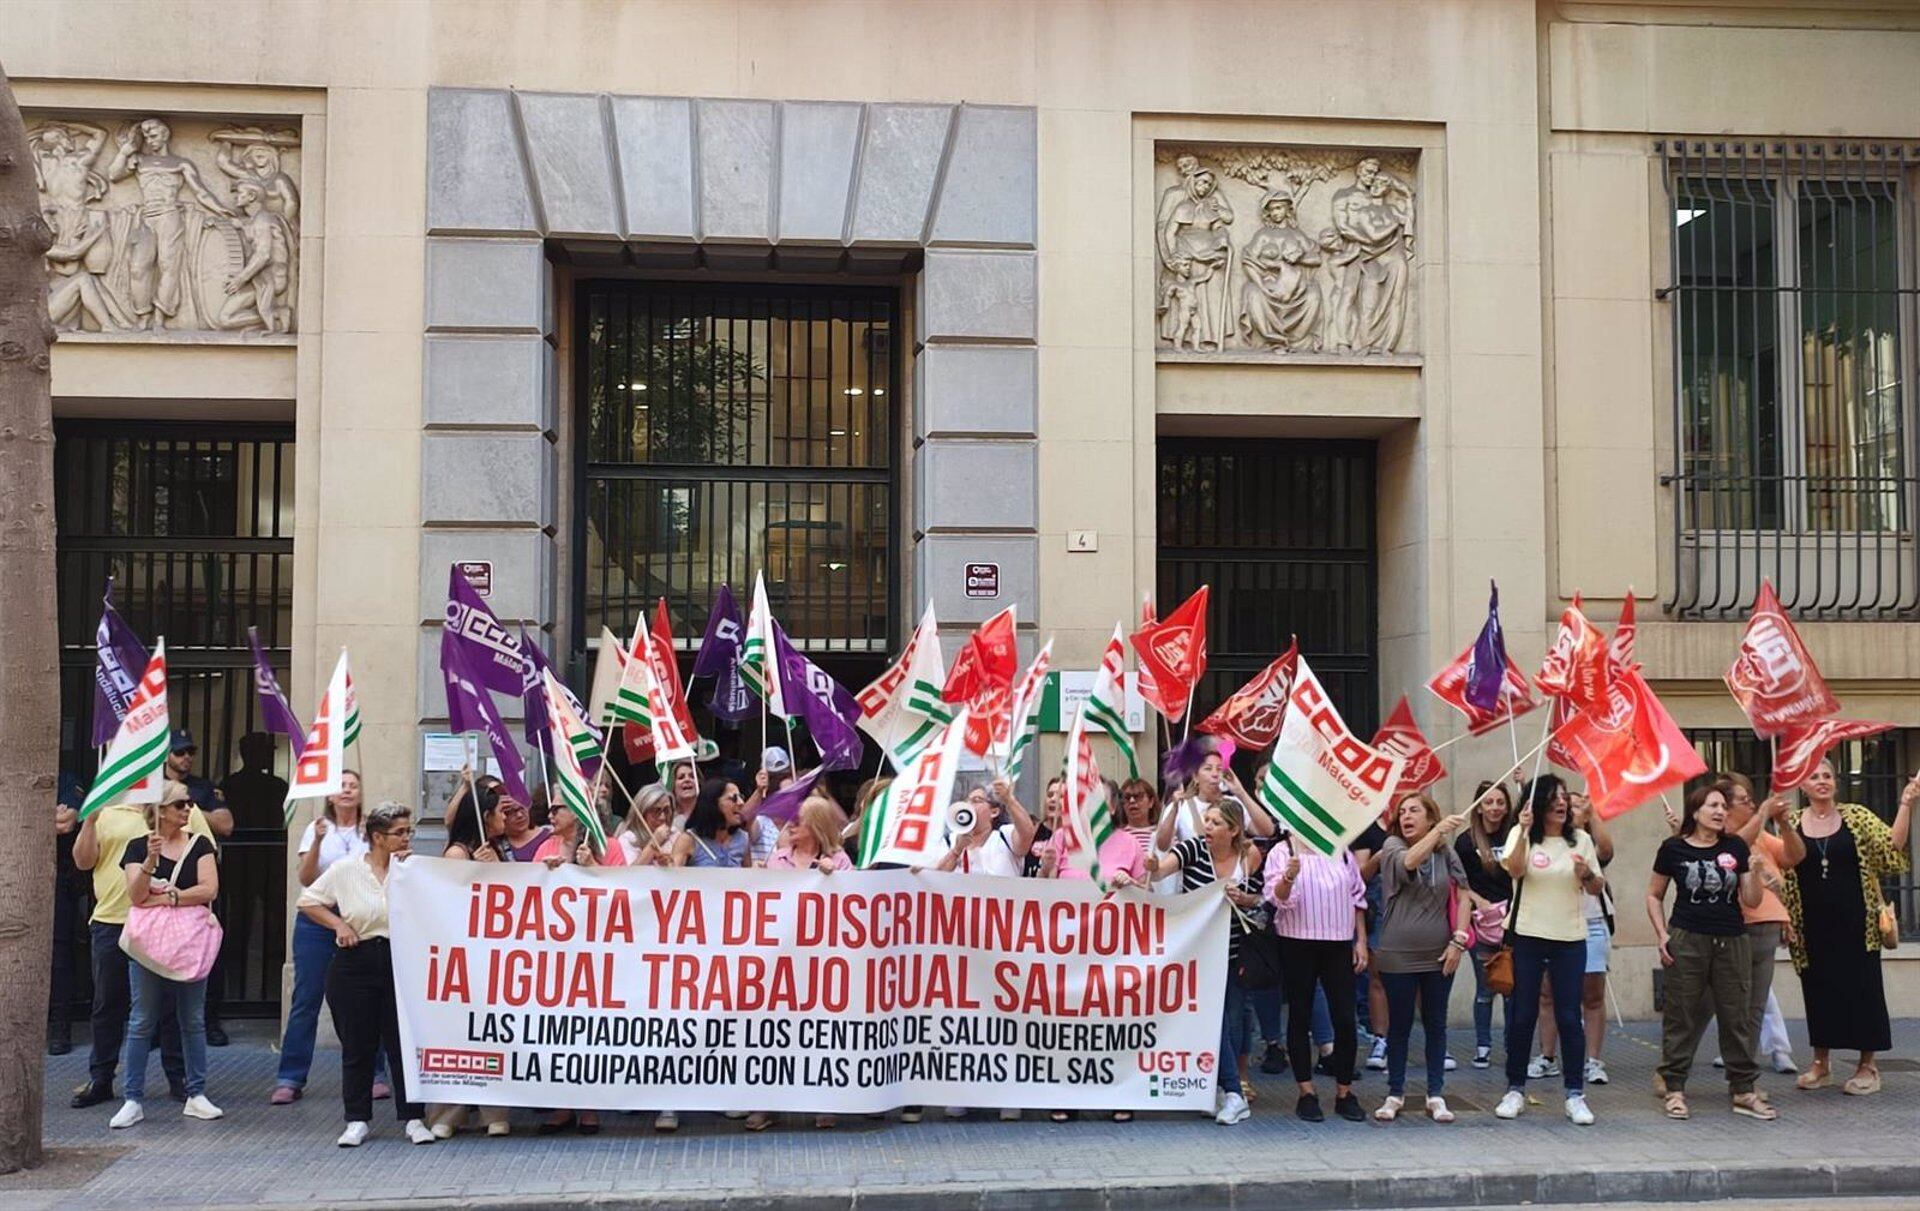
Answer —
(1825, 1143)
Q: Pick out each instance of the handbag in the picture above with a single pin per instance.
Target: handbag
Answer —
(174, 942)
(1499, 969)
(1889, 927)
(1490, 923)
(1259, 967)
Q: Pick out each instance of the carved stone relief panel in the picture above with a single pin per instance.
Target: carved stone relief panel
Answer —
(1283, 250)
(169, 227)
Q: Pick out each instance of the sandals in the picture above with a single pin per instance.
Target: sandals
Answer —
(1389, 1109)
(1817, 1076)
(1676, 1104)
(1752, 1105)
(759, 1120)
(1123, 1116)
(1861, 1086)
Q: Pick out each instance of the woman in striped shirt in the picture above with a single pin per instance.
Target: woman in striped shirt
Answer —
(1221, 853)
(1320, 907)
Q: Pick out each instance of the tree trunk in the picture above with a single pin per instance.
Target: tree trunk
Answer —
(29, 680)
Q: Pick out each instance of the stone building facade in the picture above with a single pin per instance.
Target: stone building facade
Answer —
(1345, 309)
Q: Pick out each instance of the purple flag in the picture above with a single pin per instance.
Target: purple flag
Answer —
(492, 654)
(784, 804)
(719, 658)
(274, 711)
(119, 660)
(828, 709)
(470, 709)
(533, 702)
(1487, 666)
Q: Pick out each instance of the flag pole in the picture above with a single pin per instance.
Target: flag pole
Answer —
(1513, 733)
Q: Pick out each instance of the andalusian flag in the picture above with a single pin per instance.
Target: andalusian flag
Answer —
(609, 659)
(902, 709)
(757, 665)
(352, 735)
(1324, 784)
(1107, 708)
(317, 772)
(632, 700)
(908, 823)
(568, 733)
(1089, 815)
(136, 760)
(1025, 728)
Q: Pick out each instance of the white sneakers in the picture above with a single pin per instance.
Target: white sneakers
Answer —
(442, 1131)
(1377, 1058)
(128, 1114)
(668, 1121)
(1451, 1064)
(1010, 1114)
(1543, 1066)
(418, 1133)
(1595, 1071)
(199, 1107)
(1511, 1105)
(354, 1136)
(1233, 1109)
(1577, 1112)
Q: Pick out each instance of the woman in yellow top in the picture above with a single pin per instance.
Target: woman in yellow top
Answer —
(1833, 898)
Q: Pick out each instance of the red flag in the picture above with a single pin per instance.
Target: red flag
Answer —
(1630, 750)
(982, 680)
(666, 671)
(1251, 718)
(1804, 745)
(1620, 647)
(1576, 666)
(1449, 685)
(1148, 690)
(1175, 652)
(1400, 737)
(1774, 678)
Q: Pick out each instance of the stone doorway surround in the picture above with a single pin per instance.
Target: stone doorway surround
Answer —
(781, 184)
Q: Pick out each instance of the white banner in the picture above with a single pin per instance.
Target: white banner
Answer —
(651, 989)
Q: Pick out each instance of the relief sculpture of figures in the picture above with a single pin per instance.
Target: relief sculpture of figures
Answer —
(1280, 302)
(1371, 251)
(166, 253)
(1195, 246)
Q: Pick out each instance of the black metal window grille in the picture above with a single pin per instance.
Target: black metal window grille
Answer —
(194, 522)
(1284, 532)
(728, 430)
(1870, 772)
(1792, 297)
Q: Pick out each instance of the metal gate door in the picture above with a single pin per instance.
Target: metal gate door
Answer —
(1284, 532)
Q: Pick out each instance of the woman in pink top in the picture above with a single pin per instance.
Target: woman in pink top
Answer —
(812, 841)
(567, 844)
(1320, 907)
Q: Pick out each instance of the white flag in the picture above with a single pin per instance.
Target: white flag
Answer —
(902, 709)
(135, 762)
(1324, 784)
(1025, 726)
(758, 663)
(317, 772)
(908, 823)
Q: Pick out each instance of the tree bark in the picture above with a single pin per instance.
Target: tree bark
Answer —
(29, 653)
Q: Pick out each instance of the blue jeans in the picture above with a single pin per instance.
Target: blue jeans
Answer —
(1265, 1004)
(1321, 1022)
(1563, 966)
(1431, 989)
(1233, 1023)
(313, 949)
(1483, 1002)
(153, 996)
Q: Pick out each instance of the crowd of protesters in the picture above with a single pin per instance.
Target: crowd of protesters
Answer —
(1334, 960)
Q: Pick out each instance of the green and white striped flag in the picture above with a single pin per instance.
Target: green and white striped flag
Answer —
(609, 658)
(567, 730)
(907, 824)
(352, 734)
(1089, 815)
(902, 709)
(1025, 726)
(1324, 784)
(136, 759)
(1107, 708)
(632, 700)
(757, 664)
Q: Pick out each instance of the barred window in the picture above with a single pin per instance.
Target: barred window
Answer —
(1791, 294)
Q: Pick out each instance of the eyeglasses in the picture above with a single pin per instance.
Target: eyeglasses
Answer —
(1133, 794)
(402, 831)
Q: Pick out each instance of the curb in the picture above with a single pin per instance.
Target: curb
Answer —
(1419, 1188)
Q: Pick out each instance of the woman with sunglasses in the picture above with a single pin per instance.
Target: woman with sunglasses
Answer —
(350, 900)
(644, 834)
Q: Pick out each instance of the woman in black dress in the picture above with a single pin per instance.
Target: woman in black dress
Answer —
(1834, 898)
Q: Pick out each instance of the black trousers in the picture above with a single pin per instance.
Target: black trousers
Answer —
(67, 915)
(1330, 965)
(367, 1018)
(112, 1002)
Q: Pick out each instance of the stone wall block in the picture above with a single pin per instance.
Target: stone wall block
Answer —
(941, 559)
(654, 139)
(977, 389)
(819, 141)
(567, 145)
(899, 166)
(979, 296)
(990, 194)
(735, 141)
(504, 479)
(977, 485)
(523, 562)
(486, 380)
(476, 180)
(499, 284)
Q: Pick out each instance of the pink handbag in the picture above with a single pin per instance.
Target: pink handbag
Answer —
(176, 943)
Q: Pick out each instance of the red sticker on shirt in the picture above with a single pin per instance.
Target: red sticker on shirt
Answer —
(1541, 861)
(1725, 861)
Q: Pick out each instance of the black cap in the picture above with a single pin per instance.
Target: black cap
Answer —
(183, 741)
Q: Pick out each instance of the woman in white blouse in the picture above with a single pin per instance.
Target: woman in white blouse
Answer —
(333, 835)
